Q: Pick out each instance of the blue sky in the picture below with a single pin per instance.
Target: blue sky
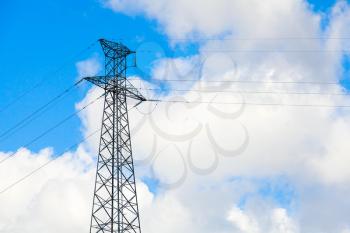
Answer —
(38, 37)
(321, 5)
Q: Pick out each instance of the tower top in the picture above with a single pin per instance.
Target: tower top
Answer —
(113, 49)
(114, 79)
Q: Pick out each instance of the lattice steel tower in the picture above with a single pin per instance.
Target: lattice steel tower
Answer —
(115, 207)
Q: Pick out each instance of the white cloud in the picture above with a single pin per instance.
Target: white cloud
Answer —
(56, 198)
(275, 220)
(306, 145)
(50, 197)
(243, 222)
(88, 67)
(208, 18)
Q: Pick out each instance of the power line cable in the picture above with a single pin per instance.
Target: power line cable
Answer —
(288, 37)
(150, 79)
(35, 114)
(52, 128)
(147, 113)
(52, 160)
(249, 103)
(47, 76)
(241, 81)
(261, 38)
(45, 164)
(273, 50)
(262, 50)
(248, 92)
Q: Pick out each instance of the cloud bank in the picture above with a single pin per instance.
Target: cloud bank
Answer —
(219, 168)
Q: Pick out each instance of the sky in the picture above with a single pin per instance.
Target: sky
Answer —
(253, 168)
(52, 44)
(37, 38)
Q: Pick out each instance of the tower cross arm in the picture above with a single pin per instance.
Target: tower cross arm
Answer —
(111, 84)
(100, 81)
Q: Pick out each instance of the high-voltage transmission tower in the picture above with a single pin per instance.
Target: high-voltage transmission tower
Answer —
(115, 207)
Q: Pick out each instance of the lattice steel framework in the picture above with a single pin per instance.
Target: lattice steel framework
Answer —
(115, 207)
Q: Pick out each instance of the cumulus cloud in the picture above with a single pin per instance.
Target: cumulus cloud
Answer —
(216, 166)
(208, 18)
(259, 41)
(88, 67)
(277, 221)
(48, 198)
(57, 197)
